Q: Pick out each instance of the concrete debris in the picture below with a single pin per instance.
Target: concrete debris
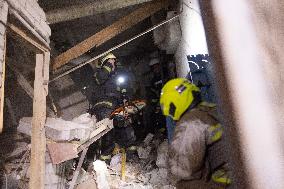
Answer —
(143, 153)
(57, 129)
(52, 179)
(162, 155)
(135, 186)
(86, 119)
(84, 176)
(159, 177)
(148, 139)
(88, 184)
(141, 171)
(18, 176)
(101, 170)
(148, 169)
(10, 181)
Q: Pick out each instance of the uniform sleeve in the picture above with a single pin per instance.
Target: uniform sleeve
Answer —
(187, 149)
(102, 74)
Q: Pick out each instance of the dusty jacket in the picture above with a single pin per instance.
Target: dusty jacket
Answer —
(188, 147)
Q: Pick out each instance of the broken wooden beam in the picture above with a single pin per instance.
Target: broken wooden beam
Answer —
(109, 32)
(103, 127)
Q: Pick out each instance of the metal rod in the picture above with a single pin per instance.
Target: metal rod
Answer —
(113, 48)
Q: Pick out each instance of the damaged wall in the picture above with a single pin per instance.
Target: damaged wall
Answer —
(33, 18)
(30, 12)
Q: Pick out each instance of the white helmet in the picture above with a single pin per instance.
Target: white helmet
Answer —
(108, 56)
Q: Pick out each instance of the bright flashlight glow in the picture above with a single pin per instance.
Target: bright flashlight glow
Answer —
(120, 80)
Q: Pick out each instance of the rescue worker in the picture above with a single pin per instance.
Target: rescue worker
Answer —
(105, 95)
(110, 90)
(192, 128)
(156, 81)
(156, 119)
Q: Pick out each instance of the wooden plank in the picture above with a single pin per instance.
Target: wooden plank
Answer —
(109, 32)
(46, 70)
(78, 168)
(106, 124)
(38, 140)
(25, 36)
(2, 86)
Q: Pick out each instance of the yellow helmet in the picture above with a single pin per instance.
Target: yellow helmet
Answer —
(176, 96)
(108, 56)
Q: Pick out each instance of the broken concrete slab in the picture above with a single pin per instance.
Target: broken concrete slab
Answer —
(144, 153)
(57, 129)
(86, 119)
(60, 152)
(101, 170)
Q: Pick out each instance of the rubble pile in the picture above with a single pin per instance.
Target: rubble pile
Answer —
(63, 138)
(16, 167)
(145, 168)
(148, 170)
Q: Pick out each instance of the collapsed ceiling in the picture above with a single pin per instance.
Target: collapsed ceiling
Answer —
(69, 31)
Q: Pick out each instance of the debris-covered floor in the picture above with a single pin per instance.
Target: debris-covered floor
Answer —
(145, 167)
